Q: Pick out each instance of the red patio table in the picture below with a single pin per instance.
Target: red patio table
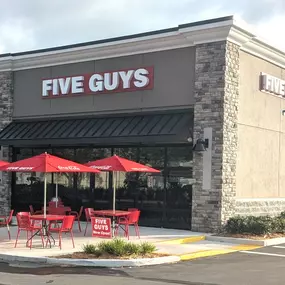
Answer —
(111, 213)
(45, 219)
(65, 208)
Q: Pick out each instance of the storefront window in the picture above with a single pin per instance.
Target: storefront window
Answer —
(179, 156)
(164, 198)
(151, 186)
(65, 181)
(178, 187)
(29, 187)
(90, 186)
(126, 182)
(152, 156)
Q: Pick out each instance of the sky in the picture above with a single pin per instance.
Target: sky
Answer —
(34, 24)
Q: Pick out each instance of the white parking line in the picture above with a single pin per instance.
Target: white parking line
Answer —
(263, 253)
(278, 246)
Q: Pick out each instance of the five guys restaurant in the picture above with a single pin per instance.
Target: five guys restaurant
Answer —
(203, 102)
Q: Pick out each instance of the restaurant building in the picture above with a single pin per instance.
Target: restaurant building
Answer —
(149, 97)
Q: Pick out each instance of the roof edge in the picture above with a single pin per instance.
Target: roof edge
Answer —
(185, 35)
(120, 38)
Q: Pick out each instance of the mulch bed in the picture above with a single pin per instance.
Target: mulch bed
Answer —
(82, 255)
(253, 237)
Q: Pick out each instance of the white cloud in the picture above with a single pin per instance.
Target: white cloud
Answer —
(272, 30)
(36, 24)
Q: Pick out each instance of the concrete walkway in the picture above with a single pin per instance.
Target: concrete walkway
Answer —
(170, 241)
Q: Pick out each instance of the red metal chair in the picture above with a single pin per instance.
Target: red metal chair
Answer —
(25, 224)
(33, 212)
(131, 220)
(88, 214)
(56, 211)
(66, 227)
(77, 216)
(53, 204)
(5, 221)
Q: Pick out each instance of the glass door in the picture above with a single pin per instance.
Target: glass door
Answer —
(179, 181)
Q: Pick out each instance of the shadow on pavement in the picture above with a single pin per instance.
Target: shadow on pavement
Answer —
(35, 269)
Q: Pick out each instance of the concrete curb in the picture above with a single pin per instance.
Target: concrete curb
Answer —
(182, 240)
(92, 262)
(214, 252)
(268, 242)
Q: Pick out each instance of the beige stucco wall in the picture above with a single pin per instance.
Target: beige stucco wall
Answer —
(261, 133)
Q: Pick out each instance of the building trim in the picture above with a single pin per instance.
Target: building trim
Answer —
(187, 35)
(259, 199)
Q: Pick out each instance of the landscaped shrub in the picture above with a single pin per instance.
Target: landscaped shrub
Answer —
(146, 248)
(119, 247)
(91, 249)
(114, 247)
(279, 224)
(236, 225)
(260, 225)
(282, 215)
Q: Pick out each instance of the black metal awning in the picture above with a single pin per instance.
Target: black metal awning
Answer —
(120, 130)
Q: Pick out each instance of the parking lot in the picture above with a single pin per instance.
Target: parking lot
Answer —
(256, 267)
(273, 251)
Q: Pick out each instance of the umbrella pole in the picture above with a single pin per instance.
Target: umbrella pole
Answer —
(114, 191)
(114, 201)
(45, 195)
(56, 190)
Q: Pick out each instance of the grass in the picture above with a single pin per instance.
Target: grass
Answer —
(119, 248)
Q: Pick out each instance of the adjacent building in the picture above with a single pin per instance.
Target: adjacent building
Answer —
(149, 97)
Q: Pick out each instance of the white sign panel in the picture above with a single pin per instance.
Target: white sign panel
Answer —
(96, 83)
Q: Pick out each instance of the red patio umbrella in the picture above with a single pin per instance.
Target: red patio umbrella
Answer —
(2, 162)
(46, 163)
(117, 163)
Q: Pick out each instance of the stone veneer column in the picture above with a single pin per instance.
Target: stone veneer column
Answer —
(6, 111)
(216, 107)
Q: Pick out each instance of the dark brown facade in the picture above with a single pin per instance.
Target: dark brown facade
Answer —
(174, 75)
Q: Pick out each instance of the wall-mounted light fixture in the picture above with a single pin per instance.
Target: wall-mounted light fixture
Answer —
(201, 145)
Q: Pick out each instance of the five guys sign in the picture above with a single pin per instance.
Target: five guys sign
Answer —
(97, 83)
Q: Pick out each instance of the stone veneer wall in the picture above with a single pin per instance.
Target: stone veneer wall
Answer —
(216, 107)
(260, 207)
(6, 111)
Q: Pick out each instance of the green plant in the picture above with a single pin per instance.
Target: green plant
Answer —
(90, 249)
(260, 225)
(113, 247)
(147, 248)
(131, 248)
(279, 224)
(119, 247)
(236, 225)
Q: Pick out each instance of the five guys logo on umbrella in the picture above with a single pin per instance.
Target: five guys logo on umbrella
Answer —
(71, 167)
(101, 82)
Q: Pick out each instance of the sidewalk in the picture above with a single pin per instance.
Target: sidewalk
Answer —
(185, 244)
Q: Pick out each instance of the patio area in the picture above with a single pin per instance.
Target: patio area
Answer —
(158, 236)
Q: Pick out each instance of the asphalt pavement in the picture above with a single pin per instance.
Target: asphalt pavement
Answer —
(257, 267)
